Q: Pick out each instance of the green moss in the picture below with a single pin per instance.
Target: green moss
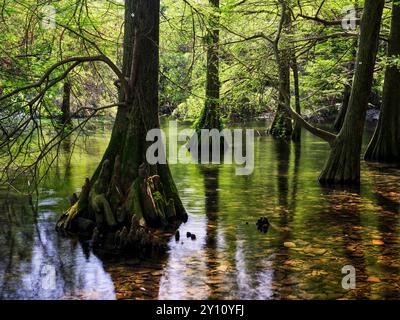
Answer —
(282, 127)
(133, 205)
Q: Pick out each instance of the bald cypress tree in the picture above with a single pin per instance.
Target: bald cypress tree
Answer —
(385, 144)
(343, 164)
(282, 126)
(126, 195)
(210, 117)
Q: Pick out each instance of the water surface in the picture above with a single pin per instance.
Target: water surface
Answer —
(327, 230)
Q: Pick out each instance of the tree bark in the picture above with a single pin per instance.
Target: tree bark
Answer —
(337, 126)
(347, 92)
(126, 196)
(385, 144)
(296, 135)
(343, 108)
(210, 115)
(282, 124)
(343, 164)
(65, 117)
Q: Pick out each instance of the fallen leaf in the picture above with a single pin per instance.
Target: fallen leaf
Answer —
(289, 245)
(317, 273)
(223, 268)
(293, 262)
(315, 251)
(373, 279)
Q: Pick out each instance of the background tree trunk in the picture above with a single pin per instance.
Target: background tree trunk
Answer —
(347, 91)
(385, 144)
(210, 116)
(343, 164)
(343, 108)
(65, 117)
(296, 135)
(282, 124)
(126, 195)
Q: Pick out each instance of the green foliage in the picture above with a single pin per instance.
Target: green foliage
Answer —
(189, 109)
(247, 68)
(279, 129)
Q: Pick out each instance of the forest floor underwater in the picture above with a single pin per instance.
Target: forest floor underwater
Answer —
(315, 232)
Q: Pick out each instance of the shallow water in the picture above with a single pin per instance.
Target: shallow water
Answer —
(314, 233)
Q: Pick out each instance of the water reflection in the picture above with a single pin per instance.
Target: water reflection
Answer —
(35, 262)
(314, 233)
(345, 213)
(192, 264)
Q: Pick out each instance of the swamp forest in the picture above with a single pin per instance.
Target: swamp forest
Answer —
(199, 149)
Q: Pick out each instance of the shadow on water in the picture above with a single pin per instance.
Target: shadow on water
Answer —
(314, 233)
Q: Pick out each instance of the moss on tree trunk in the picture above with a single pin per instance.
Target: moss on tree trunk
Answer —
(210, 117)
(281, 126)
(126, 196)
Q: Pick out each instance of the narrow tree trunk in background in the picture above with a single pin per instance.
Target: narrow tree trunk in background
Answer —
(343, 108)
(296, 135)
(126, 195)
(282, 124)
(210, 116)
(343, 164)
(385, 144)
(337, 126)
(347, 91)
(65, 117)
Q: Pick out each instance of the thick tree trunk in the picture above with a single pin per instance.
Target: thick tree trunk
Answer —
(65, 117)
(296, 135)
(385, 144)
(210, 115)
(282, 124)
(126, 196)
(343, 164)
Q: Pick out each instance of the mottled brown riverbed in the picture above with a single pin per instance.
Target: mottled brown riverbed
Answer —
(314, 233)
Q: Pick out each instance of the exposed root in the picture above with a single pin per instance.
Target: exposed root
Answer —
(79, 205)
(138, 238)
(102, 209)
(64, 223)
(118, 220)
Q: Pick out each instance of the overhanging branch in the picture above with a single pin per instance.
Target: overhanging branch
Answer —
(76, 61)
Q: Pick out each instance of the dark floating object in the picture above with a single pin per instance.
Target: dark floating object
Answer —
(188, 234)
(263, 224)
(193, 236)
(177, 236)
(247, 223)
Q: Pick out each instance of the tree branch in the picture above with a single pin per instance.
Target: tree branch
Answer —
(77, 61)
